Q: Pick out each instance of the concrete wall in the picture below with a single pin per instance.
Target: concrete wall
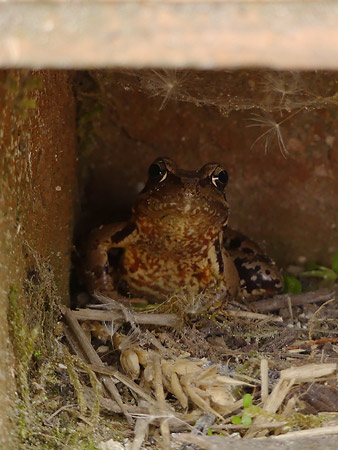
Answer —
(37, 193)
(287, 202)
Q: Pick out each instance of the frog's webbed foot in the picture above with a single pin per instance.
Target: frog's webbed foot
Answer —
(97, 271)
(259, 275)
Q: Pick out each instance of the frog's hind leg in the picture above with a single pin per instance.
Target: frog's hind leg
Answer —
(259, 275)
(97, 271)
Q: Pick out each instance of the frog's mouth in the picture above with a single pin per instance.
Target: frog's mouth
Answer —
(173, 220)
(180, 210)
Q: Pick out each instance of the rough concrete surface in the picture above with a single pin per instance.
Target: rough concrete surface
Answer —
(288, 204)
(166, 33)
(37, 188)
(219, 443)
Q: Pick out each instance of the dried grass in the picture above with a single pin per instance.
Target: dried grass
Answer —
(172, 389)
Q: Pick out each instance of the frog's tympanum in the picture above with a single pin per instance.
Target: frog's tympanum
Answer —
(177, 238)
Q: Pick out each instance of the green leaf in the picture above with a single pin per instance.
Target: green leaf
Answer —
(247, 400)
(254, 409)
(209, 432)
(330, 275)
(335, 262)
(236, 420)
(292, 285)
(323, 272)
(246, 420)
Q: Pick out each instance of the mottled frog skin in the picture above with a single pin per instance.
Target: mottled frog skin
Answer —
(177, 238)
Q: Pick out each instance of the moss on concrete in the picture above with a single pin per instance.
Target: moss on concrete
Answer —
(36, 234)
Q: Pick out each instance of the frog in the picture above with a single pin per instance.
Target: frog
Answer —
(178, 238)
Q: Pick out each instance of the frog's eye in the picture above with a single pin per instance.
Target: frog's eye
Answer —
(158, 171)
(219, 178)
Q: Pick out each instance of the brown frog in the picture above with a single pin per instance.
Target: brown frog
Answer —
(177, 238)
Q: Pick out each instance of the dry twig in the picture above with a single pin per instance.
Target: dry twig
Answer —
(253, 316)
(311, 343)
(281, 301)
(93, 358)
(264, 380)
(165, 320)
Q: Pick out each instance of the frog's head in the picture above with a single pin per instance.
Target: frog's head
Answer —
(181, 203)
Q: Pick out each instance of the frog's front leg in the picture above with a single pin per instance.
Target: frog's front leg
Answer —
(96, 264)
(259, 275)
